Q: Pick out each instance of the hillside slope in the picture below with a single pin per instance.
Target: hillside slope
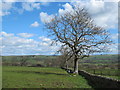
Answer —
(51, 60)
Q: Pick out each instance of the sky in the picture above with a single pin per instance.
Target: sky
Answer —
(23, 32)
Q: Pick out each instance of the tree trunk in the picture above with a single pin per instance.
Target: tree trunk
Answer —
(66, 64)
(76, 66)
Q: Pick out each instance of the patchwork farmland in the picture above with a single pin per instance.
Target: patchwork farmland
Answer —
(36, 73)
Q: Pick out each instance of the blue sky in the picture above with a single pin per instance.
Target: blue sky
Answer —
(23, 30)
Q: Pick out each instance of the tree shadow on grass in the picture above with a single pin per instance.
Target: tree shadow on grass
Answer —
(42, 73)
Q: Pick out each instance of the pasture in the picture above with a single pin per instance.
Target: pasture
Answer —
(40, 77)
(47, 74)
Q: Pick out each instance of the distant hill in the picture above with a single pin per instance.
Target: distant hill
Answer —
(47, 60)
(111, 58)
(30, 57)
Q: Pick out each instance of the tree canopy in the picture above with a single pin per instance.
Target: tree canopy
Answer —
(77, 30)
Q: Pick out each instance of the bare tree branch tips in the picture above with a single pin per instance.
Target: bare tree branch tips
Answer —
(79, 35)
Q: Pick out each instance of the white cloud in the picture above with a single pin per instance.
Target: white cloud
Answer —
(45, 41)
(44, 38)
(105, 14)
(5, 7)
(29, 6)
(4, 13)
(113, 48)
(114, 36)
(45, 3)
(15, 45)
(25, 35)
(4, 34)
(67, 8)
(45, 18)
(9, 0)
(35, 24)
(28, 0)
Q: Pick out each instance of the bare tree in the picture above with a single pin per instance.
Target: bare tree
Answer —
(66, 55)
(77, 31)
(23, 60)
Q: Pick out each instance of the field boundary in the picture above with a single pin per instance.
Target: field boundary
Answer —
(100, 81)
(97, 81)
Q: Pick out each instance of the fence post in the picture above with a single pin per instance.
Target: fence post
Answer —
(101, 72)
(94, 71)
(108, 72)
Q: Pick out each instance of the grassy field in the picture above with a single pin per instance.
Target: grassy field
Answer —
(43, 77)
(36, 77)
(101, 59)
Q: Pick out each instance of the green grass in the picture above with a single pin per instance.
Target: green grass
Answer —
(94, 59)
(111, 73)
(34, 77)
(110, 58)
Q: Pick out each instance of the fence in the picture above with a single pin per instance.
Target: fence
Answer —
(99, 81)
(106, 72)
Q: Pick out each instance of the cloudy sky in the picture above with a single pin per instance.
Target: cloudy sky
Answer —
(23, 31)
